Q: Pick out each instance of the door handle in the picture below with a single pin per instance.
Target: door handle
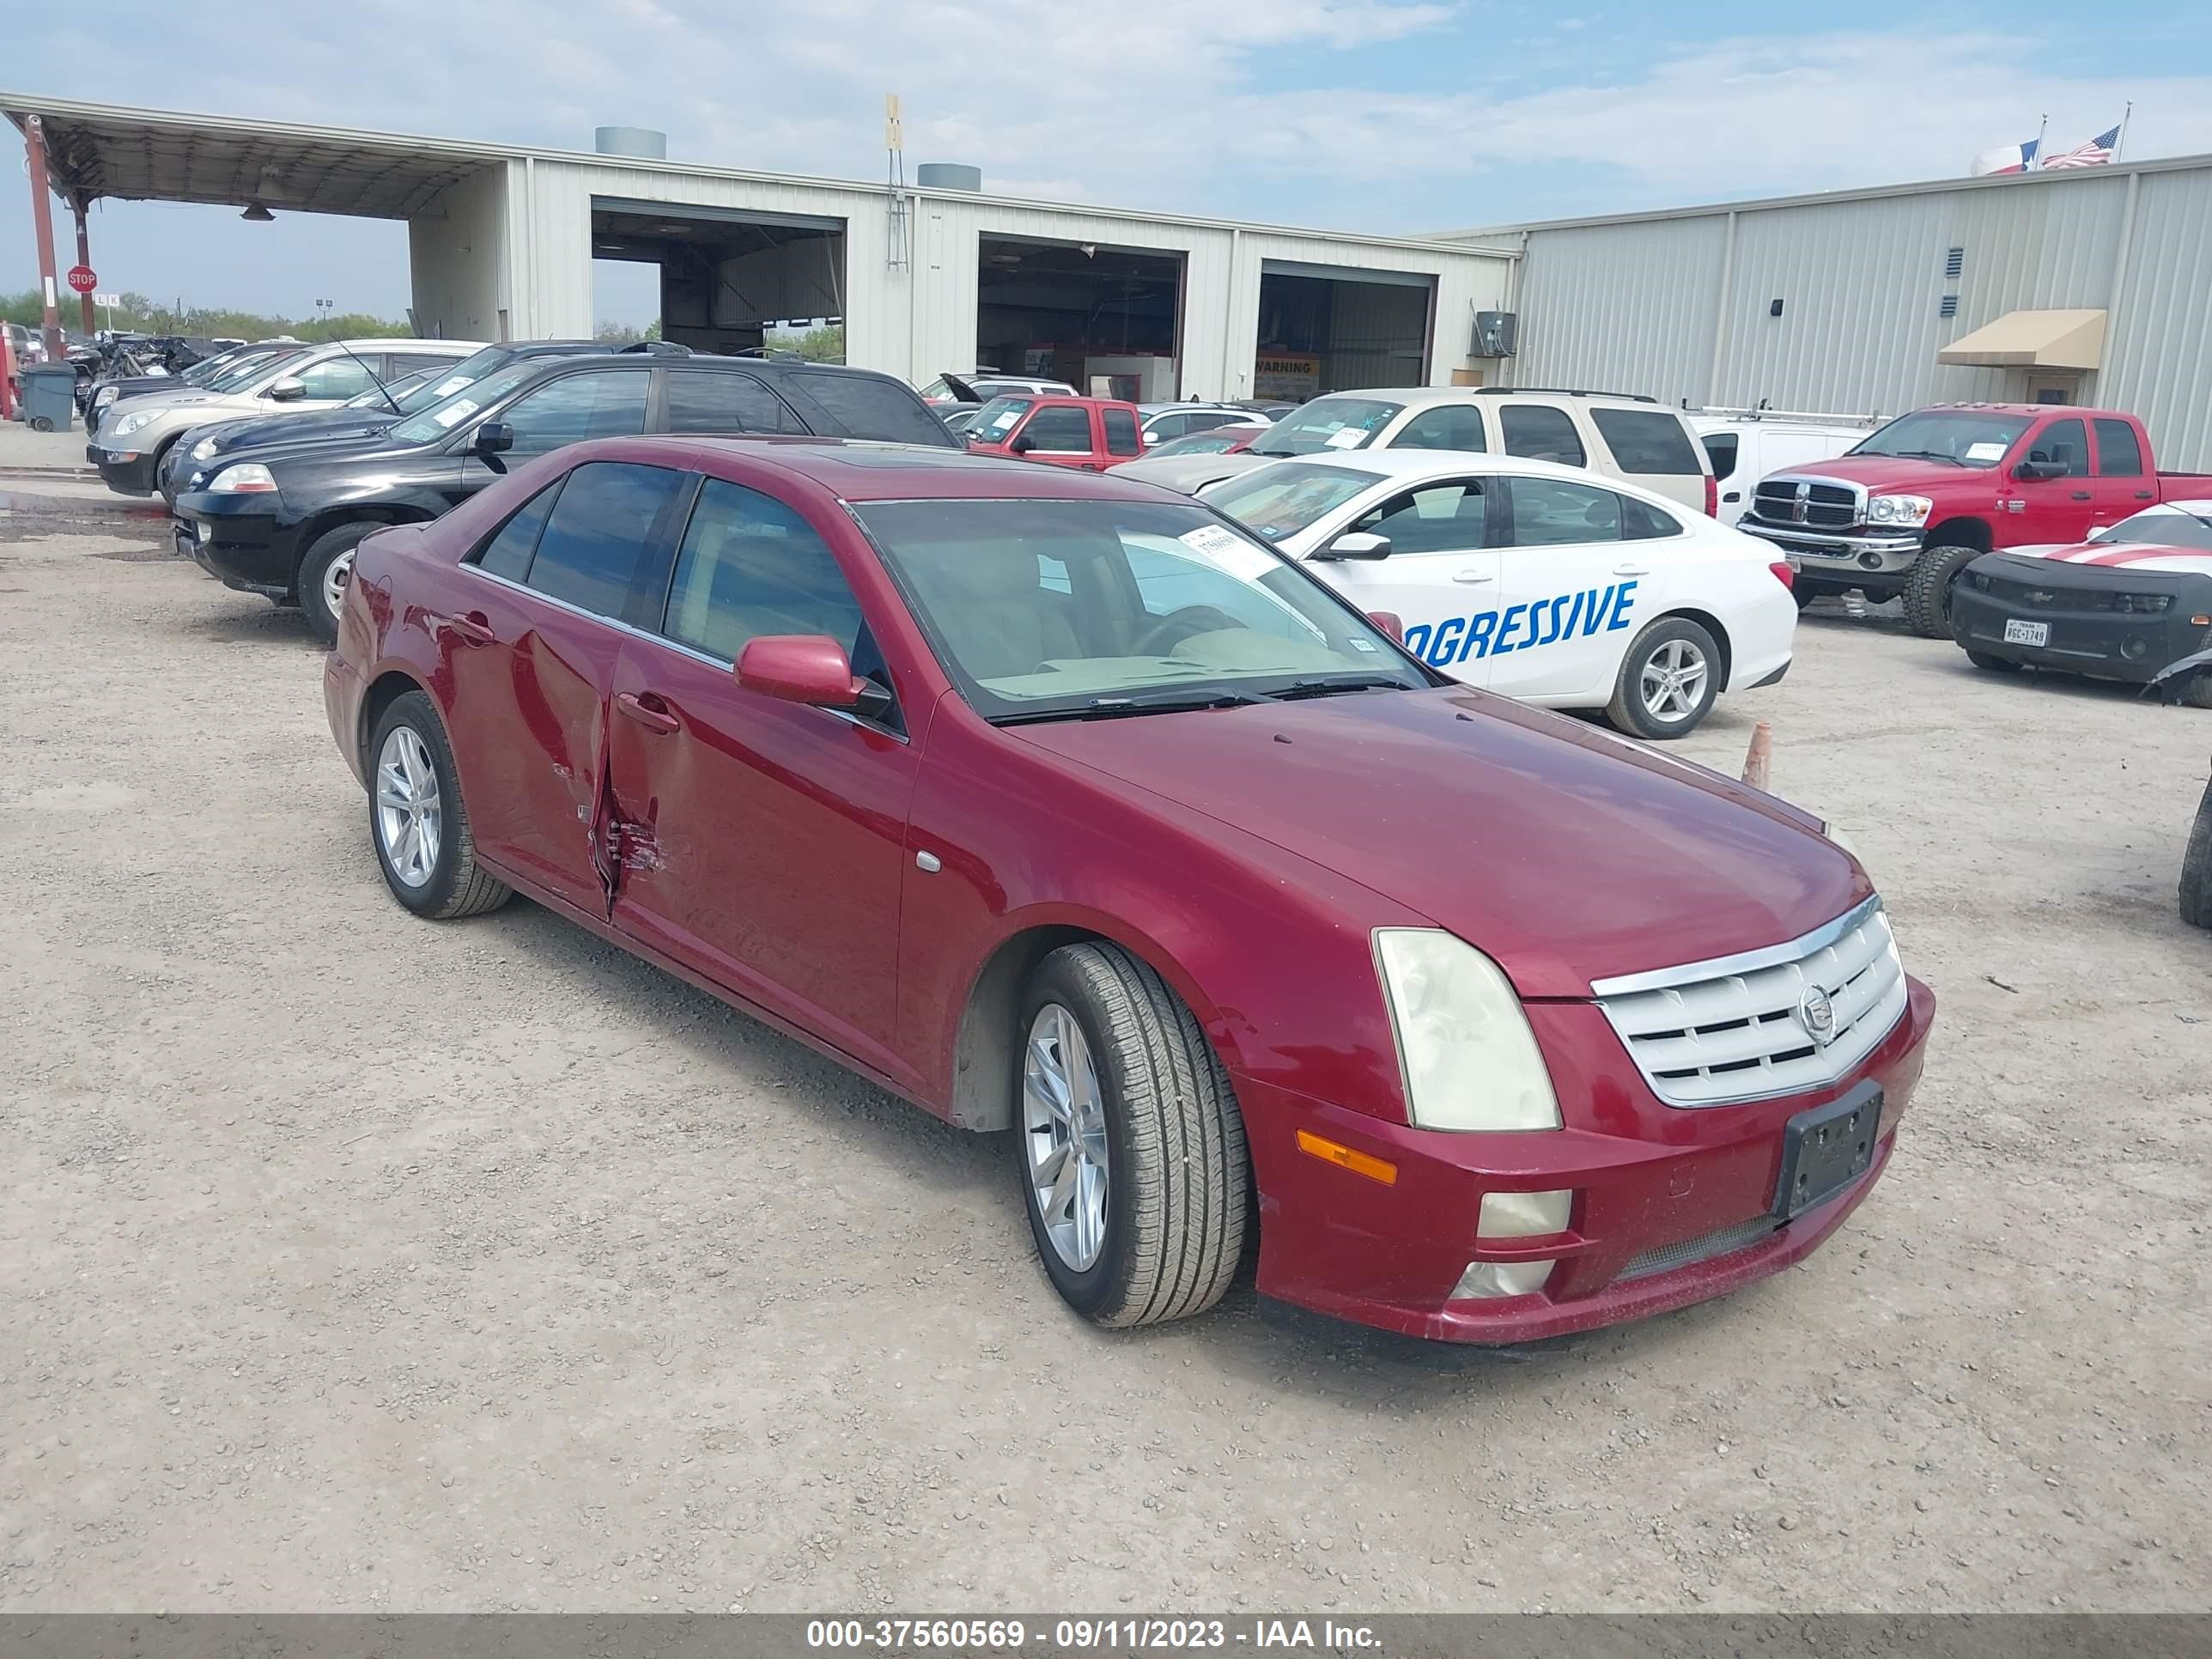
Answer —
(2081, 494)
(648, 711)
(1733, 495)
(1471, 577)
(470, 629)
(2142, 494)
(1632, 570)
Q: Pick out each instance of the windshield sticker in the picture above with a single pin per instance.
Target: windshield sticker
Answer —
(1347, 437)
(1488, 634)
(454, 413)
(1001, 423)
(448, 387)
(1359, 644)
(1228, 551)
(1985, 452)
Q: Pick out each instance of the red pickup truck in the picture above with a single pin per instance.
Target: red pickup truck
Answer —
(1908, 508)
(1090, 434)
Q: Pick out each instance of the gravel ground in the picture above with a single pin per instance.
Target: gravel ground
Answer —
(353, 1263)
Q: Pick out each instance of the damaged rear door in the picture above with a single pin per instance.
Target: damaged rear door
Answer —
(761, 842)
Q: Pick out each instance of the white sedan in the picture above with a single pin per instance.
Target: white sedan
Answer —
(1543, 582)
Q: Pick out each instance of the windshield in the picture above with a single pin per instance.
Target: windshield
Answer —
(441, 417)
(207, 368)
(468, 371)
(1282, 500)
(1085, 609)
(248, 371)
(410, 392)
(1963, 437)
(1220, 441)
(2165, 527)
(997, 418)
(1327, 423)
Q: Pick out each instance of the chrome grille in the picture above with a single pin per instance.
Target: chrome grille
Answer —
(1827, 505)
(1722, 1241)
(1743, 1027)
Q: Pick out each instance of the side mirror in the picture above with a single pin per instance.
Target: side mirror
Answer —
(2034, 470)
(286, 390)
(808, 668)
(1357, 544)
(1390, 622)
(492, 438)
(1022, 445)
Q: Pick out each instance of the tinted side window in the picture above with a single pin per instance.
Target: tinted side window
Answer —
(1552, 513)
(1121, 432)
(1647, 441)
(1641, 522)
(1722, 447)
(2118, 454)
(872, 407)
(336, 377)
(410, 362)
(1164, 426)
(1062, 429)
(605, 403)
(1541, 433)
(1447, 517)
(709, 400)
(592, 549)
(750, 565)
(1451, 427)
(507, 553)
(2066, 442)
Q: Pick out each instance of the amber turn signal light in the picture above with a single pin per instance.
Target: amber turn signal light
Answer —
(1345, 1159)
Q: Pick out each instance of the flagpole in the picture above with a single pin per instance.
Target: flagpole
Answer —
(2041, 132)
(2120, 145)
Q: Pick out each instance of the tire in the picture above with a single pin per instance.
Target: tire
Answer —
(1982, 659)
(412, 738)
(40, 423)
(1167, 1232)
(324, 569)
(1927, 589)
(1672, 644)
(2196, 867)
(2198, 694)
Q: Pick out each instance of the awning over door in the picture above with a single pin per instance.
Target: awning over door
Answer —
(2032, 339)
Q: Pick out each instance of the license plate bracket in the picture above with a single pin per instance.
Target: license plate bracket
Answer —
(2026, 633)
(1825, 1150)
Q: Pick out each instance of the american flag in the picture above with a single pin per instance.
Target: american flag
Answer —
(2094, 154)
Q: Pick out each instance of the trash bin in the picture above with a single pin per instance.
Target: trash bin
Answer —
(49, 396)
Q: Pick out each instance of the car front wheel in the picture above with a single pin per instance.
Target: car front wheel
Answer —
(324, 574)
(416, 818)
(1129, 1142)
(1667, 680)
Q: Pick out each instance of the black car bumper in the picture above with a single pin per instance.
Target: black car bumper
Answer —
(2078, 618)
(128, 472)
(240, 540)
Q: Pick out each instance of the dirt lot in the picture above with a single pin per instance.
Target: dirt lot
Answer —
(353, 1263)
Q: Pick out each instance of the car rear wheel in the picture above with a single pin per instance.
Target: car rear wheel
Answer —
(1667, 680)
(1928, 588)
(1129, 1142)
(324, 574)
(416, 818)
(2196, 867)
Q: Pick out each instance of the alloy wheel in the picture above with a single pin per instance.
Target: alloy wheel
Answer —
(1673, 681)
(409, 815)
(1064, 1131)
(335, 575)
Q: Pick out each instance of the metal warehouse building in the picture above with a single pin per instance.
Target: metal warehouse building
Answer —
(925, 278)
(2092, 285)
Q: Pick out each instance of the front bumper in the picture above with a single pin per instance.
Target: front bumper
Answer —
(240, 540)
(2084, 634)
(1856, 555)
(126, 471)
(1672, 1206)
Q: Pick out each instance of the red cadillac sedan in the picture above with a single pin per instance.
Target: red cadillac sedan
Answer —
(1059, 804)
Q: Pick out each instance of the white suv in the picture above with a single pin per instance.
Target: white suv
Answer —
(1636, 440)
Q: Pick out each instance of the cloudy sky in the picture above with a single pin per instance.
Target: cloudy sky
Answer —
(1384, 115)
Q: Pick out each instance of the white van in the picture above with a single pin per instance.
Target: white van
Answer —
(1748, 444)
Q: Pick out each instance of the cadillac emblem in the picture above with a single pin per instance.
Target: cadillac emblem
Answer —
(1817, 1014)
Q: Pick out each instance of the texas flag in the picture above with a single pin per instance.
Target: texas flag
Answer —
(2006, 158)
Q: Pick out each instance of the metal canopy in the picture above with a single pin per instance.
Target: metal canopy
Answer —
(2032, 339)
(153, 155)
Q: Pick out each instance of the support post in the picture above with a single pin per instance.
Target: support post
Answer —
(42, 226)
(84, 259)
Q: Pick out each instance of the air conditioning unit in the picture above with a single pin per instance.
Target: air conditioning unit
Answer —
(1494, 333)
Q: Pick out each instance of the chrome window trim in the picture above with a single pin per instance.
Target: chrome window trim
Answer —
(1744, 961)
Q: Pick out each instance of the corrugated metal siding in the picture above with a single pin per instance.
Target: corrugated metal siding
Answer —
(2158, 351)
(1626, 308)
(1377, 336)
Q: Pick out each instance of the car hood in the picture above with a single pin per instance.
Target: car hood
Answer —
(1889, 473)
(340, 450)
(2156, 557)
(317, 426)
(1189, 473)
(1566, 853)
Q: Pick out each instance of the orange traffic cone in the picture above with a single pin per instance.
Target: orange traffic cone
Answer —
(1756, 759)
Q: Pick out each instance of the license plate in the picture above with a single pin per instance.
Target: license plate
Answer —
(2028, 633)
(1825, 1150)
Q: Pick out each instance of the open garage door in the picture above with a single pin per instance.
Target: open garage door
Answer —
(1326, 329)
(729, 278)
(1105, 319)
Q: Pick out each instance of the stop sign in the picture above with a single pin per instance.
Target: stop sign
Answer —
(81, 280)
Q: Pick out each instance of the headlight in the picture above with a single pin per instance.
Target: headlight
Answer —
(250, 477)
(1899, 509)
(130, 423)
(1471, 1061)
(203, 450)
(105, 396)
